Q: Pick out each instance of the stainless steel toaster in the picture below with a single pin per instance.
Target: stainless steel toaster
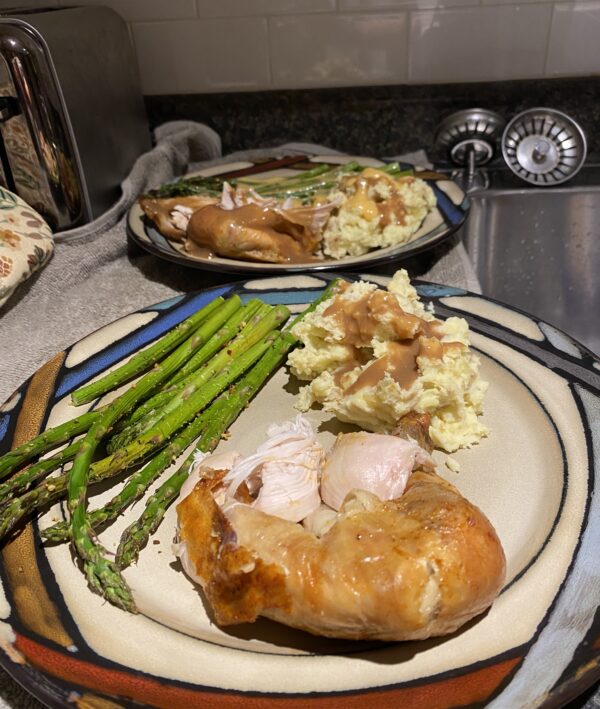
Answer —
(72, 117)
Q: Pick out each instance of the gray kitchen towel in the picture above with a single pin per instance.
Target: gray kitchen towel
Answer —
(95, 277)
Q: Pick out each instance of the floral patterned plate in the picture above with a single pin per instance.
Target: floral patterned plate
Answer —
(452, 207)
(534, 477)
(26, 243)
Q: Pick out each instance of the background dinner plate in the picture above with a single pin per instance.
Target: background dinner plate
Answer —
(534, 477)
(451, 210)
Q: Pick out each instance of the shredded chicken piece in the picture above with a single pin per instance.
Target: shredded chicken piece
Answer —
(283, 474)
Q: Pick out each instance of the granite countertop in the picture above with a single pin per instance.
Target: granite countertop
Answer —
(374, 120)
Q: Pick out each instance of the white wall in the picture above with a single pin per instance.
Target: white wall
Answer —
(198, 46)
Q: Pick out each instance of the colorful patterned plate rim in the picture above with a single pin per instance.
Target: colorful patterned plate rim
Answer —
(534, 477)
(451, 210)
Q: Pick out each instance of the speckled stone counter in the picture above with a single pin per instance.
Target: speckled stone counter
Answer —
(378, 120)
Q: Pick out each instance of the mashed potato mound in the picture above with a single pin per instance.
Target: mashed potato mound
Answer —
(372, 356)
(375, 211)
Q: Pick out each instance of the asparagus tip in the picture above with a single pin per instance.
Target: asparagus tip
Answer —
(105, 578)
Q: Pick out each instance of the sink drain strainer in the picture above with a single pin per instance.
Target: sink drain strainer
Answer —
(470, 135)
(543, 146)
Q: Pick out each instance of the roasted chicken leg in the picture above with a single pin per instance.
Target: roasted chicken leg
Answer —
(417, 566)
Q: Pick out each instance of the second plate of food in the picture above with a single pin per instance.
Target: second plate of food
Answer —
(298, 213)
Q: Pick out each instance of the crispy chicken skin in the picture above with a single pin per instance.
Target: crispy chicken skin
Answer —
(418, 566)
(252, 232)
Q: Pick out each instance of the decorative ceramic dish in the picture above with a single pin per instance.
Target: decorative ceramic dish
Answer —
(447, 216)
(534, 477)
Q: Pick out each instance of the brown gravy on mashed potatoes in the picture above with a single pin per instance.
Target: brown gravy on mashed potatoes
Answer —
(392, 210)
(371, 356)
(358, 320)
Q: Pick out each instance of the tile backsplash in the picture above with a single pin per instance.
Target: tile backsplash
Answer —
(212, 46)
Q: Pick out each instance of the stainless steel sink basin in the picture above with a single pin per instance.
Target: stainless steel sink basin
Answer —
(539, 250)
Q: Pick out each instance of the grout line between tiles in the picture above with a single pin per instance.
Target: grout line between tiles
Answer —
(549, 39)
(268, 20)
(409, 17)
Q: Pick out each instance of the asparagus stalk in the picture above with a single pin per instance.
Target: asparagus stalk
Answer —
(301, 191)
(213, 185)
(45, 441)
(198, 184)
(241, 318)
(47, 492)
(146, 358)
(53, 437)
(175, 384)
(16, 509)
(306, 190)
(185, 406)
(23, 480)
(216, 419)
(323, 181)
(137, 534)
(259, 326)
(393, 170)
(253, 181)
(223, 335)
(222, 414)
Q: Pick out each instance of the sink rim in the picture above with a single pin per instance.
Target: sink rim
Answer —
(536, 191)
